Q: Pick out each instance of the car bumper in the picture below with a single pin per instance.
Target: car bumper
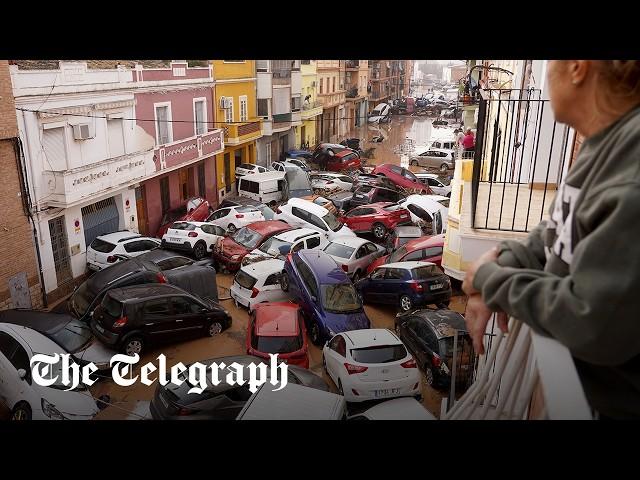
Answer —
(103, 335)
(184, 247)
(383, 389)
(238, 297)
(95, 267)
(431, 298)
(231, 265)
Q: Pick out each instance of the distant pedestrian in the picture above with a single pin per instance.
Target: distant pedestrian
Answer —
(469, 141)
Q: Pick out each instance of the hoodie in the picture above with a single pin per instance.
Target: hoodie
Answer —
(576, 277)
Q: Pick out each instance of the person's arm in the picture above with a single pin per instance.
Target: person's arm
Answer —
(527, 254)
(594, 309)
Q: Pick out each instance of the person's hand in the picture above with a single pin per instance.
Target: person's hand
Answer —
(476, 317)
(467, 284)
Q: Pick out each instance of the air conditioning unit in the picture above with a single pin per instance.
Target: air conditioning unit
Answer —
(82, 131)
(226, 102)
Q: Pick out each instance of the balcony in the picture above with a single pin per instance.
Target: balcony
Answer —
(329, 100)
(238, 133)
(281, 122)
(311, 109)
(522, 376)
(352, 65)
(282, 77)
(190, 150)
(328, 64)
(69, 187)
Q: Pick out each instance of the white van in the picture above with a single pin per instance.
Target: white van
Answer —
(264, 187)
(381, 112)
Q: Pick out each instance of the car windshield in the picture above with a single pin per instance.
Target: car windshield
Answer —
(247, 238)
(246, 166)
(379, 354)
(340, 298)
(173, 215)
(245, 280)
(277, 344)
(446, 346)
(338, 250)
(82, 298)
(423, 273)
(332, 222)
(74, 336)
(398, 254)
(112, 307)
(275, 246)
(102, 246)
(392, 208)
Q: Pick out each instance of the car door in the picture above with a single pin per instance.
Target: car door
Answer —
(394, 286)
(318, 224)
(360, 260)
(158, 322)
(189, 316)
(219, 216)
(211, 235)
(354, 218)
(336, 356)
(373, 285)
(271, 289)
(410, 337)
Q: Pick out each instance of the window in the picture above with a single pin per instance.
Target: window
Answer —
(407, 174)
(321, 81)
(413, 256)
(315, 220)
(295, 104)
(394, 274)
(301, 214)
(228, 112)
(245, 280)
(308, 279)
(419, 212)
(424, 273)
(379, 354)
(371, 248)
(183, 306)
(102, 246)
(7, 345)
(313, 242)
(263, 107)
(243, 108)
(115, 133)
(53, 144)
(396, 169)
(339, 345)
(432, 252)
(165, 196)
(340, 298)
(273, 279)
(378, 274)
(158, 306)
(339, 250)
(163, 129)
(139, 246)
(363, 251)
(200, 115)
(175, 262)
(334, 85)
(384, 195)
(249, 186)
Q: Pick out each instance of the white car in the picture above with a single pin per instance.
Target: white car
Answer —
(438, 158)
(233, 218)
(354, 255)
(257, 283)
(303, 213)
(248, 168)
(427, 208)
(106, 250)
(280, 245)
(331, 181)
(435, 184)
(371, 364)
(405, 408)
(197, 238)
(22, 395)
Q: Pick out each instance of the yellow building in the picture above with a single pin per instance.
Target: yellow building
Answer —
(235, 111)
(309, 131)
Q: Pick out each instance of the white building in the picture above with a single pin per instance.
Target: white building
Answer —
(83, 158)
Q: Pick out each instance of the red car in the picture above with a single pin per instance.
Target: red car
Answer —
(195, 209)
(426, 249)
(245, 239)
(377, 218)
(278, 328)
(402, 177)
(345, 160)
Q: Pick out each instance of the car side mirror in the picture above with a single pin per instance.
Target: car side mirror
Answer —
(22, 373)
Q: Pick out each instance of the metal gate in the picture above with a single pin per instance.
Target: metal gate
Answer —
(60, 249)
(100, 218)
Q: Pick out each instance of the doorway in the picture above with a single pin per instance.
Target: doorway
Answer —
(227, 172)
(141, 210)
(60, 249)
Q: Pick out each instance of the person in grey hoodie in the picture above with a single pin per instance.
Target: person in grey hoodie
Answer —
(576, 278)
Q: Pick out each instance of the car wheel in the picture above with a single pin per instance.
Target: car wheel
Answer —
(132, 346)
(428, 374)
(200, 250)
(231, 228)
(314, 333)
(405, 303)
(284, 282)
(414, 163)
(214, 329)
(22, 411)
(379, 230)
(444, 167)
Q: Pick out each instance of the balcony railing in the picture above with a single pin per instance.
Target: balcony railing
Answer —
(281, 76)
(311, 105)
(352, 64)
(241, 132)
(352, 92)
(519, 160)
(281, 120)
(331, 99)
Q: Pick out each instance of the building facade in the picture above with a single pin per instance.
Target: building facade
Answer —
(331, 93)
(19, 270)
(384, 81)
(309, 132)
(235, 113)
(279, 105)
(356, 81)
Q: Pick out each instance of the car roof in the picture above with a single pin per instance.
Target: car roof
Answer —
(350, 241)
(44, 322)
(296, 234)
(266, 176)
(371, 337)
(38, 342)
(265, 227)
(264, 267)
(155, 256)
(309, 206)
(442, 321)
(404, 408)
(408, 231)
(408, 265)
(424, 242)
(323, 266)
(117, 237)
(423, 201)
(346, 152)
(427, 175)
(144, 291)
(197, 224)
(278, 319)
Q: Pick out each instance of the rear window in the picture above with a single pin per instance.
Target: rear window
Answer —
(277, 344)
(112, 307)
(73, 336)
(379, 354)
(183, 226)
(338, 250)
(102, 246)
(245, 280)
(423, 273)
(249, 186)
(392, 208)
(248, 238)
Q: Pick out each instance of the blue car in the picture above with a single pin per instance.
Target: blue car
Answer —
(299, 154)
(407, 285)
(329, 301)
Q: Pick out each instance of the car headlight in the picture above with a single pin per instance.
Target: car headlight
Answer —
(235, 257)
(50, 411)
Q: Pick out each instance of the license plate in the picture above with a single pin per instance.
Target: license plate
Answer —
(99, 328)
(174, 239)
(435, 286)
(387, 392)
